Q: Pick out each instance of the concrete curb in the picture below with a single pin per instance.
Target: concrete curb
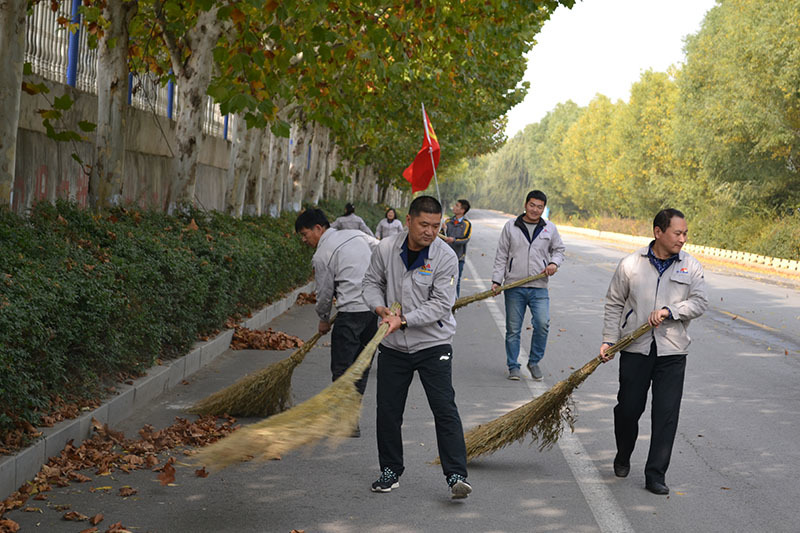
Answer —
(23, 466)
(761, 263)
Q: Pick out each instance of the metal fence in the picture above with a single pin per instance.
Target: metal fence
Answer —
(49, 47)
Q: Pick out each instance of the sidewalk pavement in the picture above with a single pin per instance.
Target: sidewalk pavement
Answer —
(19, 468)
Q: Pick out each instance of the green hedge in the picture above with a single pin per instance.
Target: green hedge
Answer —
(85, 297)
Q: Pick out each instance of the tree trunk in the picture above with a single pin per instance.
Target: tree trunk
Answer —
(239, 165)
(12, 45)
(278, 168)
(297, 164)
(108, 171)
(253, 191)
(192, 80)
(316, 178)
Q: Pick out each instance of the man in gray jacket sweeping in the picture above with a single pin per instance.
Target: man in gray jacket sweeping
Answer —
(339, 264)
(417, 270)
(664, 286)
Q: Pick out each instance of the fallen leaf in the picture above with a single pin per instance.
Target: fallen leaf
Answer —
(167, 474)
(127, 491)
(62, 506)
(96, 519)
(561, 329)
(75, 516)
(192, 226)
(9, 525)
(117, 528)
(80, 478)
(32, 510)
(98, 489)
(90, 530)
(725, 488)
(201, 472)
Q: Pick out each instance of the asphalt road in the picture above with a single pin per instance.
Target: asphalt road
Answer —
(735, 465)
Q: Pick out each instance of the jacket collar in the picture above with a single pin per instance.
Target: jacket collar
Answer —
(646, 251)
(521, 225)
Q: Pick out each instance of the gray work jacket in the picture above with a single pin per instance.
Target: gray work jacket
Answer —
(426, 293)
(386, 228)
(519, 257)
(352, 221)
(339, 265)
(636, 290)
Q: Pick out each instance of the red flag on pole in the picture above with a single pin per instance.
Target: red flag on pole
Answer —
(420, 172)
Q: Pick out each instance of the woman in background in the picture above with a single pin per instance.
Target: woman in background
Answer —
(351, 221)
(389, 225)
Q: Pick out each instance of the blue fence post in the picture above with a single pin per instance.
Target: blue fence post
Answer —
(130, 86)
(74, 45)
(308, 159)
(170, 97)
(225, 129)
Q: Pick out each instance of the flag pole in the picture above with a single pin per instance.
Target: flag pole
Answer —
(430, 152)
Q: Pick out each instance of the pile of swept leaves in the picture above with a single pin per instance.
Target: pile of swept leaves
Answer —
(305, 298)
(88, 299)
(108, 451)
(253, 339)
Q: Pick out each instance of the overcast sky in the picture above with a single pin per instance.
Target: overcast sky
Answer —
(603, 46)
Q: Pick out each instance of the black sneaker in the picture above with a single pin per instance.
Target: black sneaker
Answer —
(459, 488)
(386, 482)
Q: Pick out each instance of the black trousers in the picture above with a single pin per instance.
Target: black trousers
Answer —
(395, 372)
(351, 333)
(636, 373)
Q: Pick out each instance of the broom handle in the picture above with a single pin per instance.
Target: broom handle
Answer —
(466, 300)
(626, 341)
(301, 352)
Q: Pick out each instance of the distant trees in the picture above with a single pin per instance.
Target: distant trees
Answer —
(719, 137)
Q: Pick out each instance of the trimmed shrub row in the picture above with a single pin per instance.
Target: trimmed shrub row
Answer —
(85, 297)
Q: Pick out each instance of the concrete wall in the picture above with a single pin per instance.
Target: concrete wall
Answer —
(46, 170)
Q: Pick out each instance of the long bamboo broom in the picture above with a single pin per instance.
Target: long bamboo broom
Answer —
(544, 416)
(332, 413)
(466, 300)
(262, 393)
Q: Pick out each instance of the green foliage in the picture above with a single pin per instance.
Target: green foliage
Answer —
(718, 140)
(85, 297)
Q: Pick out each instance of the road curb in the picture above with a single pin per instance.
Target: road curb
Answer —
(24, 465)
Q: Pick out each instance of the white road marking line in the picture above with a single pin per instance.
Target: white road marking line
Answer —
(607, 513)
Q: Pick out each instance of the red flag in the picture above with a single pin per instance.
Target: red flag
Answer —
(420, 172)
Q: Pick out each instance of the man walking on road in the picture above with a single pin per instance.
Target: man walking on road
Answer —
(528, 246)
(417, 270)
(458, 230)
(664, 286)
(339, 266)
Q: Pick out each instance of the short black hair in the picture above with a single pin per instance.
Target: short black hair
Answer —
(349, 208)
(425, 204)
(310, 218)
(664, 218)
(464, 204)
(538, 195)
(392, 210)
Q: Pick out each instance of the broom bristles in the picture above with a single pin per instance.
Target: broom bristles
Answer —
(331, 414)
(262, 393)
(543, 417)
